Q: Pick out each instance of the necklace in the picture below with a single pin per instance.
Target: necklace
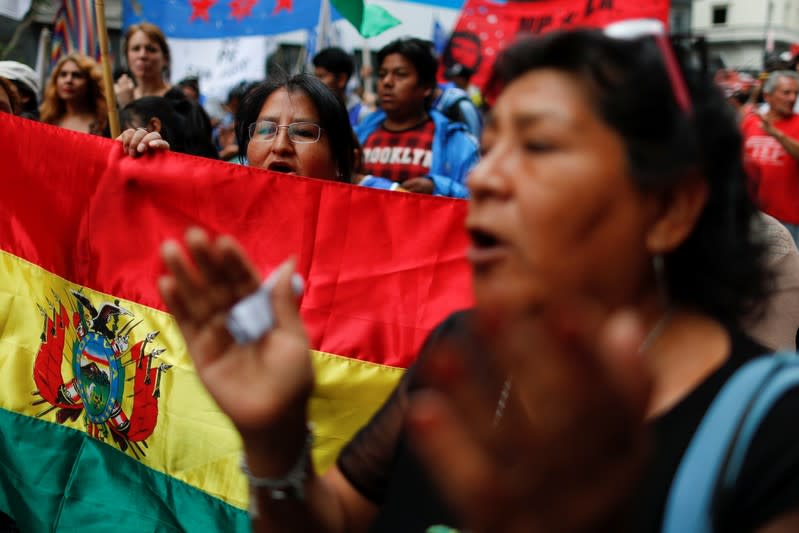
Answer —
(502, 401)
(647, 343)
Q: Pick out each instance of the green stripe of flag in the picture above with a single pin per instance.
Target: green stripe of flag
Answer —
(54, 478)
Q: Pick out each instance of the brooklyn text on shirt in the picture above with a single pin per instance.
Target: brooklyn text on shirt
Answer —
(398, 155)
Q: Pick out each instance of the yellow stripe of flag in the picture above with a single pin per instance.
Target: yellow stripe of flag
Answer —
(192, 440)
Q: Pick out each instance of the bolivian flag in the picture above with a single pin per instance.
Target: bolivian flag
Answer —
(103, 424)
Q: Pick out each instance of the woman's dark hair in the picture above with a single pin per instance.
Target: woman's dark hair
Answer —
(419, 53)
(720, 268)
(333, 116)
(184, 125)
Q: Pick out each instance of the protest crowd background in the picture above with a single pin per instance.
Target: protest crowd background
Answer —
(430, 265)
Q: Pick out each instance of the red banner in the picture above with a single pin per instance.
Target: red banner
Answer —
(486, 27)
(382, 267)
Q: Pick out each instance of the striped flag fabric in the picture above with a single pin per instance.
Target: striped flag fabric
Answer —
(75, 30)
(104, 422)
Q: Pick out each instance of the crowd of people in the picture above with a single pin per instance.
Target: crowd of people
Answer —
(627, 271)
(422, 138)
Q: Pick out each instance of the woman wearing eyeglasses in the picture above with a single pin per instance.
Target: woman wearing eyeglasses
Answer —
(294, 125)
(298, 127)
(614, 258)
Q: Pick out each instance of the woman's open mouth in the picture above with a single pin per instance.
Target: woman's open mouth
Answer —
(486, 248)
(281, 166)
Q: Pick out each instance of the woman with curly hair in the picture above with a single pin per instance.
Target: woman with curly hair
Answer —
(74, 97)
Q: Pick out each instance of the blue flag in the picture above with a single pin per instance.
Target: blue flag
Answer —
(214, 19)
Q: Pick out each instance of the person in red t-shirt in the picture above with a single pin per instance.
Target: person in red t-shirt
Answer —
(771, 150)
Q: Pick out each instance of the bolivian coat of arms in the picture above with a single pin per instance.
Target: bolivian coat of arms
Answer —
(104, 370)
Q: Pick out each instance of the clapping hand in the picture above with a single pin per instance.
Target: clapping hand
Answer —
(768, 127)
(568, 447)
(262, 386)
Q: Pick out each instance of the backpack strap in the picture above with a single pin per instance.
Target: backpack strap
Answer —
(716, 453)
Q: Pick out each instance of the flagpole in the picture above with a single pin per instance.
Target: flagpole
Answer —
(108, 78)
(366, 62)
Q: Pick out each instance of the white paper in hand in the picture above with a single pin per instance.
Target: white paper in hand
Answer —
(253, 317)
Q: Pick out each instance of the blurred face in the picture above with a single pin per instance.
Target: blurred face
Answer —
(190, 94)
(398, 87)
(280, 154)
(335, 82)
(5, 101)
(783, 98)
(145, 57)
(553, 211)
(71, 82)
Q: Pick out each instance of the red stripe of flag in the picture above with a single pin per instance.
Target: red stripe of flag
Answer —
(382, 268)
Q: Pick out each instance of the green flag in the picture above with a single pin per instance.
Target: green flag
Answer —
(369, 20)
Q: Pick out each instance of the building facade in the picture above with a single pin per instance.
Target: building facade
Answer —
(741, 32)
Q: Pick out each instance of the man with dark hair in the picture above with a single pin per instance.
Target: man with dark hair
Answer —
(406, 144)
(191, 89)
(334, 67)
(771, 150)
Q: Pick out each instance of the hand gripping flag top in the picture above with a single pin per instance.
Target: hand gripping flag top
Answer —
(105, 424)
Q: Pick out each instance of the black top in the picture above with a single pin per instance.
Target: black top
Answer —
(379, 464)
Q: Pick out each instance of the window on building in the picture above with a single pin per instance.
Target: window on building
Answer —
(719, 15)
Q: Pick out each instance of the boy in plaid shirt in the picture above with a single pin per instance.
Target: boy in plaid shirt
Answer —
(406, 144)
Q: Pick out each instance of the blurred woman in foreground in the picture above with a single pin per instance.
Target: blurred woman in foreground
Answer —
(74, 97)
(612, 243)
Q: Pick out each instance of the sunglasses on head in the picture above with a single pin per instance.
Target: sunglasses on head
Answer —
(636, 28)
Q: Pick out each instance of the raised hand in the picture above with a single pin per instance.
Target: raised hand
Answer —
(565, 451)
(123, 89)
(136, 142)
(262, 386)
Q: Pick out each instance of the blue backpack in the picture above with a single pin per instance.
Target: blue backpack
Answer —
(714, 458)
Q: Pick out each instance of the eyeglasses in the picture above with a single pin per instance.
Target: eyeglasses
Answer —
(634, 28)
(299, 132)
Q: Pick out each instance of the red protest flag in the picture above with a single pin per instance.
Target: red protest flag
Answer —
(486, 27)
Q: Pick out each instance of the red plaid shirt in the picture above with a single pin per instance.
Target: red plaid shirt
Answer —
(399, 155)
